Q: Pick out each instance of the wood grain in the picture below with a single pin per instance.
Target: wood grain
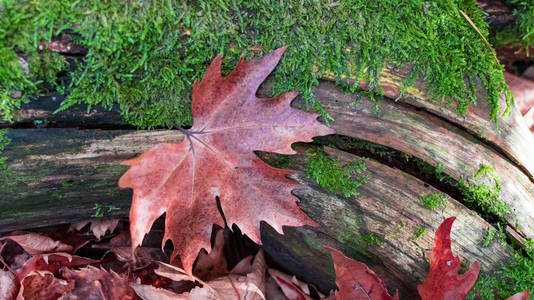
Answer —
(389, 207)
(434, 140)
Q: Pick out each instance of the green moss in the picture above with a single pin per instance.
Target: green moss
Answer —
(8, 179)
(144, 55)
(335, 178)
(484, 195)
(420, 231)
(434, 201)
(372, 240)
(101, 210)
(521, 32)
(514, 277)
(489, 237)
(24, 25)
(349, 229)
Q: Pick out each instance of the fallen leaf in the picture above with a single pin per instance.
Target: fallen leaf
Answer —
(524, 295)
(148, 292)
(172, 272)
(356, 281)
(232, 286)
(98, 228)
(216, 160)
(12, 254)
(292, 289)
(8, 285)
(443, 281)
(43, 285)
(95, 284)
(52, 263)
(35, 243)
(213, 264)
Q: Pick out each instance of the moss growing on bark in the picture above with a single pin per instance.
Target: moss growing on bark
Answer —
(144, 55)
(333, 176)
(434, 201)
(521, 32)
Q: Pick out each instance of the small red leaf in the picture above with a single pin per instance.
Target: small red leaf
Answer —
(356, 281)
(443, 281)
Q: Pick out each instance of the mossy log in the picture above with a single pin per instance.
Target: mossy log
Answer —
(57, 175)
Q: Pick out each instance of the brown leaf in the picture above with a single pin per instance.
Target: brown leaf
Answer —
(98, 227)
(43, 285)
(443, 281)
(356, 281)
(292, 288)
(216, 160)
(52, 263)
(96, 284)
(249, 287)
(148, 292)
(172, 272)
(12, 254)
(8, 285)
(35, 243)
(212, 265)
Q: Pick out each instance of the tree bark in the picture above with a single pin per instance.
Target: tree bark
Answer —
(57, 175)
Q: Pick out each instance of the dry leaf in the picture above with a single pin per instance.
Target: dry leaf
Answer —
(292, 288)
(43, 285)
(356, 281)
(249, 287)
(98, 227)
(8, 285)
(96, 284)
(217, 160)
(35, 243)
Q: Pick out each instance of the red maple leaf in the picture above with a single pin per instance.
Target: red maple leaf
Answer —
(443, 281)
(217, 160)
(356, 281)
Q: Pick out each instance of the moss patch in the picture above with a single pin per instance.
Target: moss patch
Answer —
(419, 232)
(372, 240)
(333, 176)
(483, 194)
(512, 278)
(521, 32)
(434, 201)
(144, 55)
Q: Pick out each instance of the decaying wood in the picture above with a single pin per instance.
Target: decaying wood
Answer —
(435, 140)
(388, 205)
(510, 135)
(60, 173)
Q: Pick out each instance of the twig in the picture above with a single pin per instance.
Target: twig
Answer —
(481, 35)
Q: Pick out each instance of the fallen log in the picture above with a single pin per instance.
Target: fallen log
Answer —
(58, 174)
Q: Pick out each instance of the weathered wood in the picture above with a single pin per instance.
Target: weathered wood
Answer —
(434, 140)
(58, 174)
(42, 113)
(510, 135)
(389, 207)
